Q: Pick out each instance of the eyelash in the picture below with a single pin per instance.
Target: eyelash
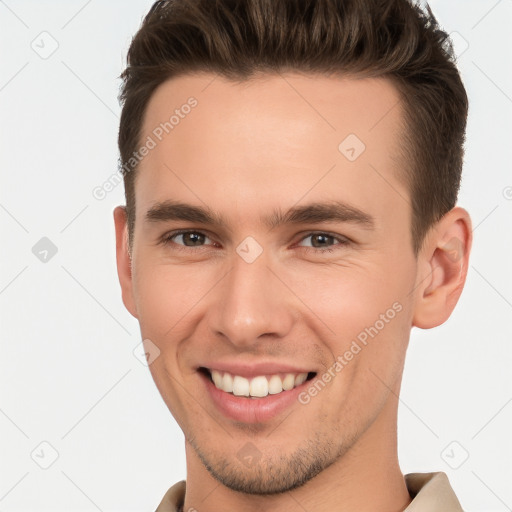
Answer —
(168, 238)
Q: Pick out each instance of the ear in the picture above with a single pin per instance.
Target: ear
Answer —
(442, 268)
(123, 257)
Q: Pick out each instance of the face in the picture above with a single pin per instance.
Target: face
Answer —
(272, 244)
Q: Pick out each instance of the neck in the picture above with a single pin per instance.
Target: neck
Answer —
(366, 478)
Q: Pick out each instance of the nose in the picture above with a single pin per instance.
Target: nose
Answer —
(251, 303)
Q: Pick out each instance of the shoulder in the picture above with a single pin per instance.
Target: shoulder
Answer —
(173, 498)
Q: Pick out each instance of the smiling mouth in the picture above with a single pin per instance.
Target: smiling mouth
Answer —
(256, 387)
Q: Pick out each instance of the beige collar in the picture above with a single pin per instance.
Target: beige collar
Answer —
(431, 492)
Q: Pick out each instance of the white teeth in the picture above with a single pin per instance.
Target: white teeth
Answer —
(217, 378)
(258, 386)
(240, 386)
(275, 385)
(227, 383)
(289, 381)
(301, 378)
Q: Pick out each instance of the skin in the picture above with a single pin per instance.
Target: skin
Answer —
(247, 150)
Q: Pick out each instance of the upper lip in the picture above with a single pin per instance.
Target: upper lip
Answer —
(250, 370)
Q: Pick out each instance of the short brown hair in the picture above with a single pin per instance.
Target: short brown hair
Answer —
(395, 39)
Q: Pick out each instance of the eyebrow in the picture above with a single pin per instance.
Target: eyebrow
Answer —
(316, 213)
(313, 213)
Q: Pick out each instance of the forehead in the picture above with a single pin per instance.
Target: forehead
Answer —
(271, 139)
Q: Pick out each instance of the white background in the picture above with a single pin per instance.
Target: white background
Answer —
(68, 375)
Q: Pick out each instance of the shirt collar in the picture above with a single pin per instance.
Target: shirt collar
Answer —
(430, 492)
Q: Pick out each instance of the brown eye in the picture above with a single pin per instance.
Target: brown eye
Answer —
(322, 240)
(192, 238)
(186, 238)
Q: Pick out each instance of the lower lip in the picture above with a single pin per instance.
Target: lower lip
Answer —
(252, 410)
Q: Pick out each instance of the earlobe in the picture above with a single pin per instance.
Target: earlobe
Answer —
(443, 264)
(123, 258)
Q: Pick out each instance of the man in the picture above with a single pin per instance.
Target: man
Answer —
(291, 173)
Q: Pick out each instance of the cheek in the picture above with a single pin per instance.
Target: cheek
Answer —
(364, 322)
(363, 317)
(165, 294)
(165, 298)
(346, 300)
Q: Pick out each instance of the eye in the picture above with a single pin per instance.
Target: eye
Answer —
(186, 238)
(323, 241)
